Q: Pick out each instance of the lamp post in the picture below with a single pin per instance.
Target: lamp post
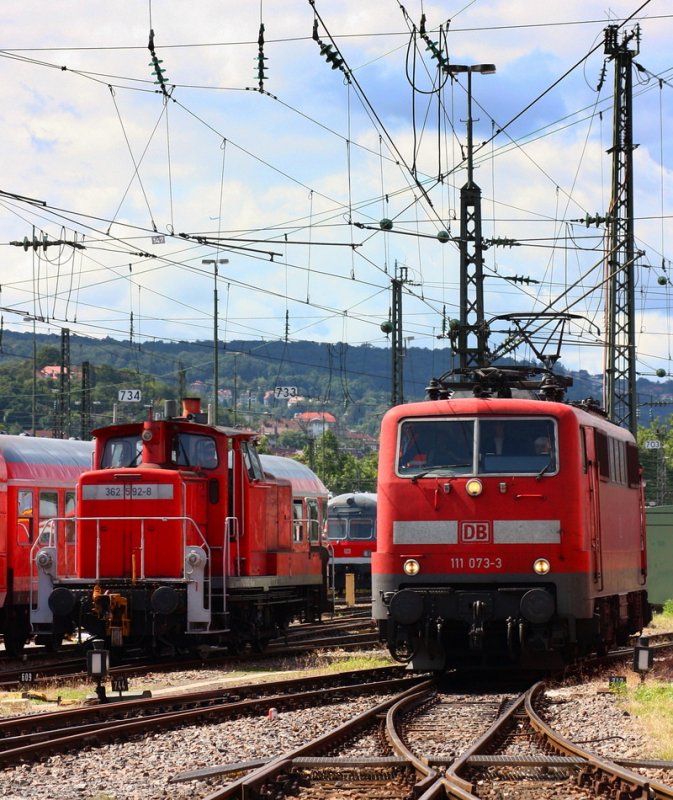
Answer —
(484, 69)
(216, 366)
(472, 339)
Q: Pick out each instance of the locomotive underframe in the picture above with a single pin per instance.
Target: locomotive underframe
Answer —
(153, 615)
(436, 627)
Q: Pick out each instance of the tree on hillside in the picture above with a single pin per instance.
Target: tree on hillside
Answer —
(655, 445)
(338, 470)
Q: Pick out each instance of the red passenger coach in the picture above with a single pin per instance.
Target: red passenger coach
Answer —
(184, 540)
(37, 499)
(509, 530)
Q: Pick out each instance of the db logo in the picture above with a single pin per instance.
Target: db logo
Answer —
(475, 532)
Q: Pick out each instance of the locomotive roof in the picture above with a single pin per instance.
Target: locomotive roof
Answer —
(500, 406)
(354, 498)
(128, 428)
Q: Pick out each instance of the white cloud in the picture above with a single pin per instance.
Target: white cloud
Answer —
(98, 141)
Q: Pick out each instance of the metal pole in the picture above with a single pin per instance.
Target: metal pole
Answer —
(34, 403)
(216, 364)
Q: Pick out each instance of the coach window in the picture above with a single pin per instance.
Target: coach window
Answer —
(24, 528)
(48, 510)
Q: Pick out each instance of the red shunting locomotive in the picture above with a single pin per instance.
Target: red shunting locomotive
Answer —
(184, 541)
(510, 530)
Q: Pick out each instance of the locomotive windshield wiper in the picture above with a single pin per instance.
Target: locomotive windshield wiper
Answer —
(543, 470)
(436, 468)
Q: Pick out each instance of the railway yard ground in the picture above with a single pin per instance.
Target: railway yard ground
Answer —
(612, 713)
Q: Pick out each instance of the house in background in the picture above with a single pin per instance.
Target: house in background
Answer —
(315, 423)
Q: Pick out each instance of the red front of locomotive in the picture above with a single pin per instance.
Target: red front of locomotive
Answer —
(133, 523)
(503, 535)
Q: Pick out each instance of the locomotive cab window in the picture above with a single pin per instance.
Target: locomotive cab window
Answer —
(437, 446)
(336, 529)
(494, 446)
(313, 520)
(517, 446)
(298, 515)
(194, 450)
(122, 451)
(361, 529)
(251, 460)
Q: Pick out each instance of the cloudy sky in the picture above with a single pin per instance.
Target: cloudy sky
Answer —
(135, 183)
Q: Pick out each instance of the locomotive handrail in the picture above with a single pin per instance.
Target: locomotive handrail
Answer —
(231, 532)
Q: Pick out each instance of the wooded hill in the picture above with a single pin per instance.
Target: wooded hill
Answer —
(353, 383)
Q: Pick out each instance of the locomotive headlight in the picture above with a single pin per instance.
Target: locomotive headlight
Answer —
(541, 566)
(473, 487)
(411, 567)
(147, 435)
(44, 560)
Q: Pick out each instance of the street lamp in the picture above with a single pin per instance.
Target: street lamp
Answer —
(472, 333)
(215, 262)
(484, 69)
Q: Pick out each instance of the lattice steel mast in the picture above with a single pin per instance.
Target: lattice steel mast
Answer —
(619, 390)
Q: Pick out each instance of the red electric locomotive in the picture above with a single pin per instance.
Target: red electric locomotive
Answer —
(183, 542)
(510, 530)
(351, 535)
(37, 496)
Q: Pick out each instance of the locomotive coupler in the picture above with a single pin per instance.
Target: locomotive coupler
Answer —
(476, 634)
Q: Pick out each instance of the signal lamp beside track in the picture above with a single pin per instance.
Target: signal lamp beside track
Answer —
(541, 566)
(473, 487)
(411, 567)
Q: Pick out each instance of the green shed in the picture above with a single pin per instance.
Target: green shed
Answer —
(659, 554)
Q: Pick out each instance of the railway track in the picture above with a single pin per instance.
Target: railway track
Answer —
(417, 737)
(29, 737)
(351, 633)
(446, 746)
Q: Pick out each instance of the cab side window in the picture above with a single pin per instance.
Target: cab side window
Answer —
(298, 516)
